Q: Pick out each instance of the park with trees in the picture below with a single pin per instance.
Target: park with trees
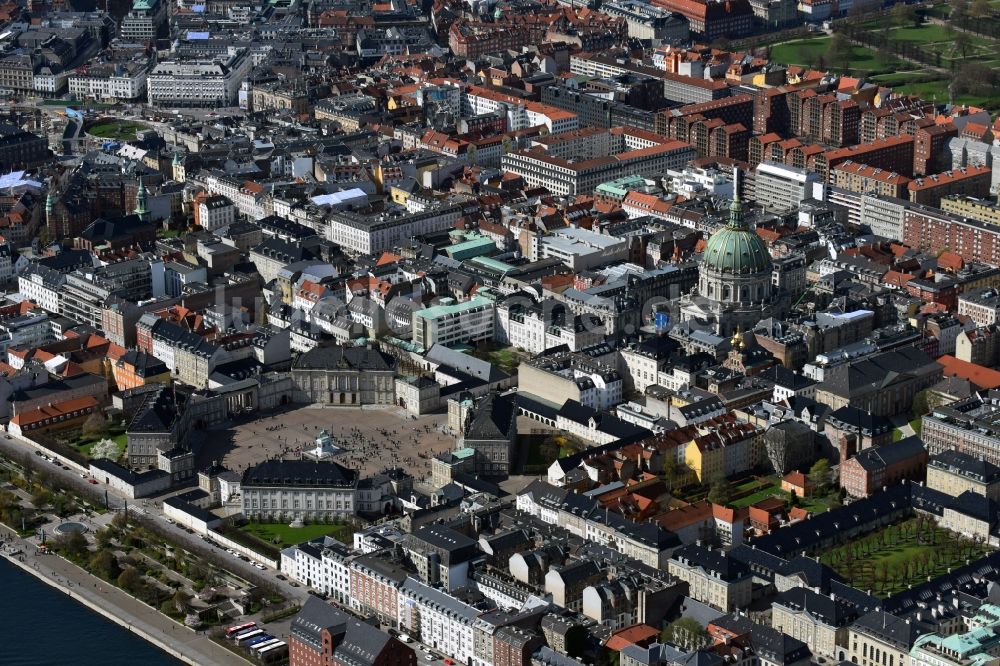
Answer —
(890, 559)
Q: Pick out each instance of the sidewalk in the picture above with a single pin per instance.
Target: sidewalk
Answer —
(119, 607)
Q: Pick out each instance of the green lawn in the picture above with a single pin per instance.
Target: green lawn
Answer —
(774, 488)
(121, 130)
(925, 34)
(795, 52)
(85, 445)
(807, 52)
(938, 91)
(294, 535)
(888, 560)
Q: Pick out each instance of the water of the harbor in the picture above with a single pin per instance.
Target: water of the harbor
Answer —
(40, 626)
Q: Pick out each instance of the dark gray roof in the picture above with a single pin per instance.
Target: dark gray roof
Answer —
(977, 506)
(299, 473)
(158, 412)
(881, 457)
(805, 535)
(578, 570)
(784, 377)
(728, 568)
(832, 612)
(878, 372)
(813, 573)
(858, 420)
(345, 358)
(465, 363)
(493, 418)
(896, 631)
(966, 465)
(771, 644)
(445, 539)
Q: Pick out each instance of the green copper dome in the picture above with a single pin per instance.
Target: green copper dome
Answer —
(736, 248)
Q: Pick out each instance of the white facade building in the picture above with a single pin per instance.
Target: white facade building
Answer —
(119, 83)
(185, 83)
(781, 187)
(42, 286)
(450, 323)
(366, 234)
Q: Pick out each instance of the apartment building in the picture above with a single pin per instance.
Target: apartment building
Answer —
(439, 620)
(975, 208)
(20, 149)
(894, 154)
(820, 621)
(722, 450)
(450, 322)
(521, 114)
(970, 426)
(680, 88)
(878, 638)
(971, 181)
(534, 326)
(781, 188)
(571, 376)
(145, 22)
(42, 285)
(112, 81)
(712, 19)
(713, 578)
(321, 635)
(864, 179)
(953, 473)
(931, 229)
(214, 212)
(648, 21)
(884, 215)
(565, 177)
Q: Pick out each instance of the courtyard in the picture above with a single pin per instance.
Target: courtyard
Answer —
(372, 439)
(890, 559)
(285, 535)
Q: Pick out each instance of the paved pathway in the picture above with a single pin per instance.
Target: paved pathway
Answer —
(195, 648)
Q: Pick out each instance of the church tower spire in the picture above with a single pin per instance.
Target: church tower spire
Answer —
(737, 219)
(141, 201)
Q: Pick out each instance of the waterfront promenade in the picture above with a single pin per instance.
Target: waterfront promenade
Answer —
(116, 605)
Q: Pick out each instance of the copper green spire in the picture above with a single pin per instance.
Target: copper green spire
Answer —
(141, 203)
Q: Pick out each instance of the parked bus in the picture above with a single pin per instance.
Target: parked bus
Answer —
(256, 649)
(273, 653)
(246, 632)
(241, 639)
(258, 640)
(232, 631)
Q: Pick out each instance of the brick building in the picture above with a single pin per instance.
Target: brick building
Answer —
(890, 154)
(930, 152)
(881, 466)
(321, 635)
(932, 229)
(972, 181)
(712, 19)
